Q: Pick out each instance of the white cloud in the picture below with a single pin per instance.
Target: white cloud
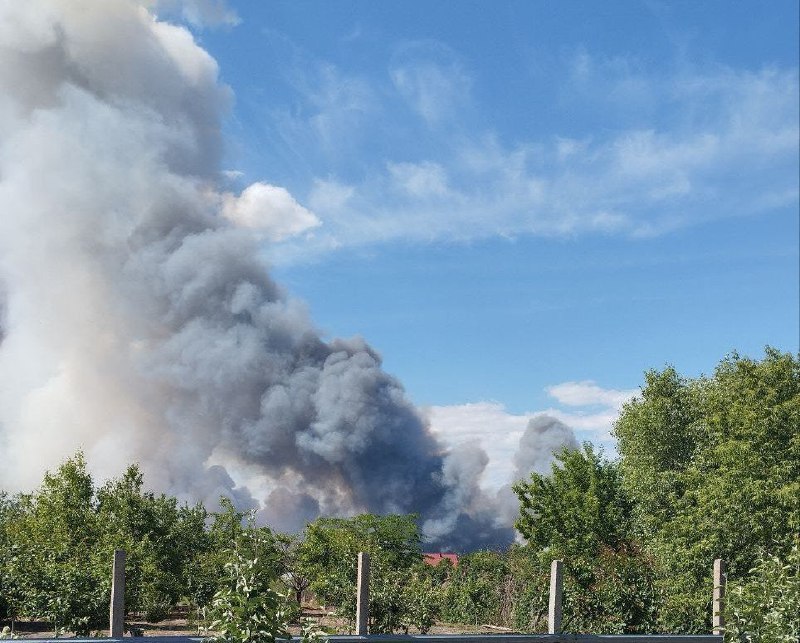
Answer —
(587, 393)
(330, 195)
(269, 209)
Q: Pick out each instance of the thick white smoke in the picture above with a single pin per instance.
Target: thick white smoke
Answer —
(138, 323)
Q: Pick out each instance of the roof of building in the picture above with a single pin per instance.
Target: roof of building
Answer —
(436, 558)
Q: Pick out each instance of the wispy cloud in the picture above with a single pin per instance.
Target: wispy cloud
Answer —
(676, 149)
(198, 13)
(430, 79)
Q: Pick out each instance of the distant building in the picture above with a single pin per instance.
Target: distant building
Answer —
(435, 559)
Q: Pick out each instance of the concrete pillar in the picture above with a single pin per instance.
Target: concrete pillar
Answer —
(718, 603)
(362, 595)
(556, 589)
(117, 611)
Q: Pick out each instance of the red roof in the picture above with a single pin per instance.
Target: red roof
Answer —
(435, 559)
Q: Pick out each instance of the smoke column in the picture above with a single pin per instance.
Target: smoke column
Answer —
(137, 321)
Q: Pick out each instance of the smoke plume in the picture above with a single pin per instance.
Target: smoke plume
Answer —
(137, 321)
(543, 437)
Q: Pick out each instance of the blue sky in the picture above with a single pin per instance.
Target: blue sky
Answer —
(513, 200)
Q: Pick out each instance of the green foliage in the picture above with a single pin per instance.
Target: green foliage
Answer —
(312, 632)
(8, 512)
(577, 509)
(328, 557)
(530, 576)
(53, 567)
(472, 594)
(580, 514)
(231, 533)
(765, 607)
(422, 600)
(158, 537)
(246, 609)
(713, 466)
(57, 545)
(289, 556)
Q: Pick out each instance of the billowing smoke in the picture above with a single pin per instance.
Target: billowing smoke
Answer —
(543, 437)
(138, 321)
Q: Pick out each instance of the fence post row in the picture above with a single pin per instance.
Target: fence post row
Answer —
(362, 595)
(117, 609)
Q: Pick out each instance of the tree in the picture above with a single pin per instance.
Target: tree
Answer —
(158, 536)
(292, 572)
(581, 514)
(713, 466)
(473, 592)
(577, 509)
(54, 563)
(246, 609)
(232, 535)
(328, 557)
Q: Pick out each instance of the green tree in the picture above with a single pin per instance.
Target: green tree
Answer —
(581, 514)
(577, 509)
(329, 553)
(473, 594)
(8, 514)
(57, 569)
(246, 609)
(158, 536)
(713, 466)
(292, 571)
(231, 535)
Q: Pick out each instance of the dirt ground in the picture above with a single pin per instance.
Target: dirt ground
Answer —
(181, 623)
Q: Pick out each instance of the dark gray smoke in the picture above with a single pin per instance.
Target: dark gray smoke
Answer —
(141, 325)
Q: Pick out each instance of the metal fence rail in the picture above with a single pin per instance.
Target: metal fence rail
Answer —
(442, 638)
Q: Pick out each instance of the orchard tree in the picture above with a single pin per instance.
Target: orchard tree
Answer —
(328, 557)
(473, 594)
(55, 565)
(289, 548)
(232, 536)
(159, 537)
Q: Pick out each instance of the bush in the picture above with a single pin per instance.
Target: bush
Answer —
(766, 607)
(247, 610)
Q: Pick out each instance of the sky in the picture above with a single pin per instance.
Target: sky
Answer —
(523, 206)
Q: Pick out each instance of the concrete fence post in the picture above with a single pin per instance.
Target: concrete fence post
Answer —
(117, 611)
(718, 603)
(362, 595)
(556, 589)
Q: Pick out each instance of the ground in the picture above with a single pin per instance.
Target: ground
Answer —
(182, 623)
